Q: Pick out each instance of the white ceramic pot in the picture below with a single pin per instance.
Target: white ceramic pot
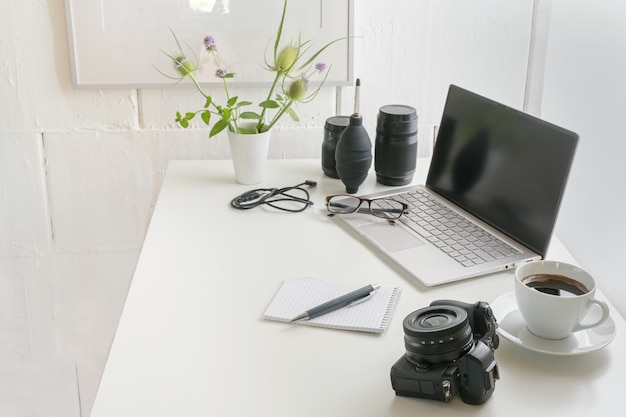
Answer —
(249, 155)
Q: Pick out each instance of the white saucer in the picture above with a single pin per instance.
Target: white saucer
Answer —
(512, 327)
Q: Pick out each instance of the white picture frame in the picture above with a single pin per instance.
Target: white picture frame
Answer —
(121, 43)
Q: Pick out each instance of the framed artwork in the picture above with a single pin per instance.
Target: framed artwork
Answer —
(122, 43)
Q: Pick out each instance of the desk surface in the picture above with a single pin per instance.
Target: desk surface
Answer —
(192, 341)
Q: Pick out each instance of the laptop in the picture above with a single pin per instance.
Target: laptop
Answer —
(497, 176)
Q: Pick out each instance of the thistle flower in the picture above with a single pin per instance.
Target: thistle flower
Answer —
(297, 89)
(286, 58)
(209, 43)
(183, 65)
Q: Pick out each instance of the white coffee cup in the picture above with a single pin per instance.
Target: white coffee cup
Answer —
(553, 316)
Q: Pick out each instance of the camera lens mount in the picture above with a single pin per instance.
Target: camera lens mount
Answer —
(437, 334)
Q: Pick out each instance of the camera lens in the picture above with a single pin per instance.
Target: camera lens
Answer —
(333, 128)
(395, 151)
(437, 334)
(435, 321)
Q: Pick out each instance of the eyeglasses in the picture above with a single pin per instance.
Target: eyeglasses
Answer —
(292, 199)
(386, 208)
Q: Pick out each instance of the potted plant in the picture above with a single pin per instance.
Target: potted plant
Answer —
(249, 126)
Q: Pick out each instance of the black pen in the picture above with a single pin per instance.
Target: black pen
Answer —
(337, 303)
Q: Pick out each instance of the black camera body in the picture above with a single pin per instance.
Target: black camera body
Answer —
(449, 350)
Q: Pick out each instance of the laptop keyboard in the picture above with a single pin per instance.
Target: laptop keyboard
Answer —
(459, 238)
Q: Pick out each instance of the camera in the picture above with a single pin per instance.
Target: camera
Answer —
(449, 350)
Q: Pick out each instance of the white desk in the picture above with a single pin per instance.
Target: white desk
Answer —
(192, 341)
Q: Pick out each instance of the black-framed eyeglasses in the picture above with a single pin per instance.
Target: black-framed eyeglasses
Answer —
(292, 199)
(386, 208)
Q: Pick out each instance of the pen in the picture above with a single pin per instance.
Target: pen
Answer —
(337, 303)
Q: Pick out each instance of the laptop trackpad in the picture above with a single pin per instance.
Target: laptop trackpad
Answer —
(391, 237)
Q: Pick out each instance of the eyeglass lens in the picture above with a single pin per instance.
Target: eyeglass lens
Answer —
(380, 207)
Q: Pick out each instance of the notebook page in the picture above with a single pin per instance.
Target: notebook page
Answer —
(299, 294)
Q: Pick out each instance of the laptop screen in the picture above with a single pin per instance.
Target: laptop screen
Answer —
(504, 166)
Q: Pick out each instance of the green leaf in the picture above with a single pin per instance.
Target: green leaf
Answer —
(206, 117)
(219, 126)
(250, 115)
(244, 103)
(269, 104)
(314, 56)
(189, 115)
(184, 123)
(293, 114)
(231, 102)
(209, 100)
(245, 131)
(280, 29)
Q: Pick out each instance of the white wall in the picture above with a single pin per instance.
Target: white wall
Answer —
(584, 89)
(80, 170)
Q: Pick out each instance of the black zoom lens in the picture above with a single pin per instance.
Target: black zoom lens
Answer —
(437, 334)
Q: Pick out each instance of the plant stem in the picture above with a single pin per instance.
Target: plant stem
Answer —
(233, 118)
(269, 97)
(218, 65)
(195, 82)
(279, 114)
(215, 106)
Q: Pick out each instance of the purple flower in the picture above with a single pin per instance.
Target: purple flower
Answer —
(320, 66)
(221, 72)
(209, 43)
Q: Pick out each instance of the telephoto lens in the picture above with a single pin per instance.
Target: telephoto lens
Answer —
(437, 334)
(395, 151)
(333, 128)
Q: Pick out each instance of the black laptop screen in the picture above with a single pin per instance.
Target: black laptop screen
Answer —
(504, 166)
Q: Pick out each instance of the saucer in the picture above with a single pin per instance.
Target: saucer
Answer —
(512, 327)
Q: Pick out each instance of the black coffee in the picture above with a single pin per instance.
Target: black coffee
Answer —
(555, 285)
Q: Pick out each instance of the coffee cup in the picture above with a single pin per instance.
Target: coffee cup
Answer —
(557, 299)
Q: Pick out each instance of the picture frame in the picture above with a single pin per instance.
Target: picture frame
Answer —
(123, 43)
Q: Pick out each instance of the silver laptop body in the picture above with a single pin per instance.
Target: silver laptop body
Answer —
(494, 167)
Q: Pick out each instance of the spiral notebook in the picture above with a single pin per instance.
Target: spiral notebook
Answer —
(298, 294)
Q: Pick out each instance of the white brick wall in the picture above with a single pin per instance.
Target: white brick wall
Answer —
(24, 222)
